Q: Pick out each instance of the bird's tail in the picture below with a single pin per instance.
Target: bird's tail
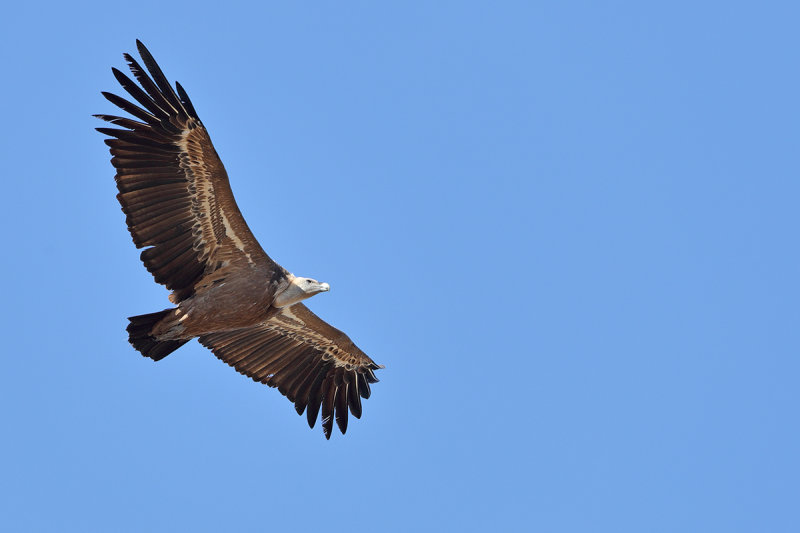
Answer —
(139, 334)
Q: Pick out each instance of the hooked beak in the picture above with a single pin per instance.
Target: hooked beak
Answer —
(325, 287)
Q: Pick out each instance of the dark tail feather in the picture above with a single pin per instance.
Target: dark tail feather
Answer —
(139, 335)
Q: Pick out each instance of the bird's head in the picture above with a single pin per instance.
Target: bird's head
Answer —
(299, 289)
(311, 286)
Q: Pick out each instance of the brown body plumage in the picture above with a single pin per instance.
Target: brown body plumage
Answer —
(228, 293)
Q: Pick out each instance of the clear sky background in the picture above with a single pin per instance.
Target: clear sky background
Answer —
(569, 231)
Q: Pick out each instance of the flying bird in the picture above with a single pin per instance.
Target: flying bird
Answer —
(227, 292)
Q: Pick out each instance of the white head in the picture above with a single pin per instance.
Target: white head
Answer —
(299, 289)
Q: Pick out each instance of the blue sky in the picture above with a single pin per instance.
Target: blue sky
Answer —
(569, 231)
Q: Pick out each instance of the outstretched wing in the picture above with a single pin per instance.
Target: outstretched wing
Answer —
(172, 185)
(309, 361)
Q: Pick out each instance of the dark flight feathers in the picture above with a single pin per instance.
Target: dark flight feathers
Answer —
(310, 369)
(179, 207)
